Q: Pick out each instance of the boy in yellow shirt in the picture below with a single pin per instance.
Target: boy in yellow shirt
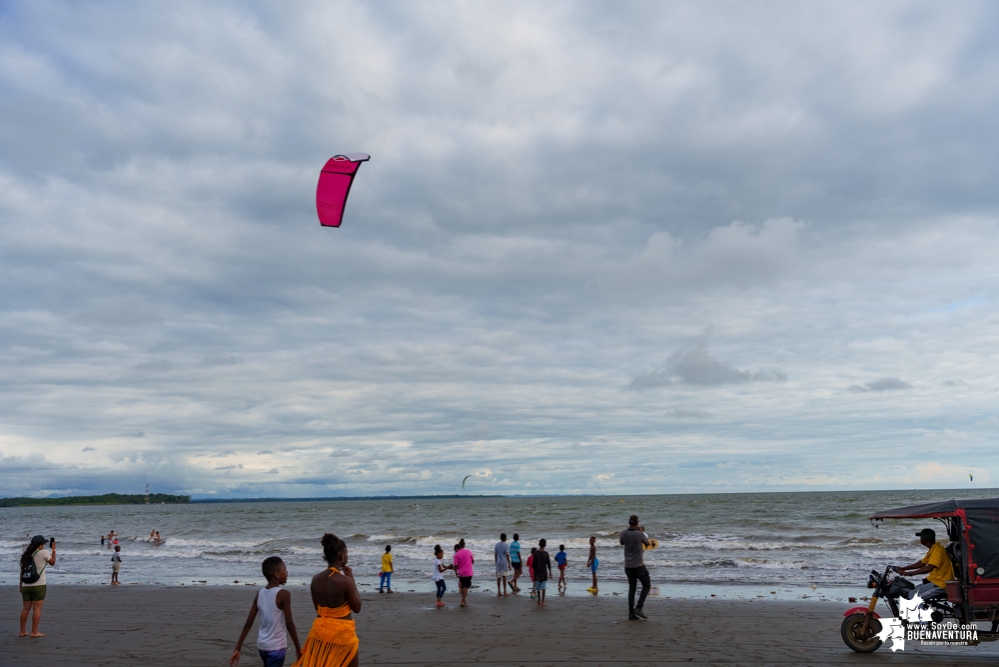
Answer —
(387, 569)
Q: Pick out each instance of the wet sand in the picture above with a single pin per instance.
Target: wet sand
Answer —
(160, 625)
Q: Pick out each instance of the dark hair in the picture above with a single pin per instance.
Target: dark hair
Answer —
(633, 520)
(516, 537)
(503, 537)
(457, 546)
(462, 542)
(543, 543)
(270, 566)
(561, 547)
(534, 550)
(438, 549)
(388, 548)
(28, 553)
(333, 546)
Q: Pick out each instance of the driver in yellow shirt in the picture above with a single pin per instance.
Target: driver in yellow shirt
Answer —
(935, 565)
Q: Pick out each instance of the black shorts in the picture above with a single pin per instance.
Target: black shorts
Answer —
(517, 565)
(465, 582)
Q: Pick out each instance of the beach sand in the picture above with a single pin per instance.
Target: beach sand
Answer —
(160, 625)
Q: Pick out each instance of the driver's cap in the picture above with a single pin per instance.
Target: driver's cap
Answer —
(927, 534)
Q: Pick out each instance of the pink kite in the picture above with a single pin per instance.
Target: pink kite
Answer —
(334, 186)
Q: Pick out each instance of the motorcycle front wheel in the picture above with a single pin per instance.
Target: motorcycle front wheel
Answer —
(853, 637)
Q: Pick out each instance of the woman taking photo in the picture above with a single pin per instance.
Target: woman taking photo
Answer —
(33, 592)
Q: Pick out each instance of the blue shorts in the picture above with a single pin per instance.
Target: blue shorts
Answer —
(273, 658)
(594, 565)
(540, 585)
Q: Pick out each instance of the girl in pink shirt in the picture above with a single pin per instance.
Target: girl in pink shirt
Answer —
(463, 561)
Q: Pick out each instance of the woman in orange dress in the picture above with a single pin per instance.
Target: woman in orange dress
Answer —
(332, 641)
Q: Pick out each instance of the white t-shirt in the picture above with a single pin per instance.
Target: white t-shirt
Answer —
(438, 575)
(271, 636)
(116, 557)
(41, 565)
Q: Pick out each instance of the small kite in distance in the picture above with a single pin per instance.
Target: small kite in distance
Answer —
(971, 478)
(463, 482)
(334, 185)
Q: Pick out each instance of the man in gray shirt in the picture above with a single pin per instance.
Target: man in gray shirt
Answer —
(635, 541)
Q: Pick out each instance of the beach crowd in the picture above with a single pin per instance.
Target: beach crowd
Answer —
(332, 640)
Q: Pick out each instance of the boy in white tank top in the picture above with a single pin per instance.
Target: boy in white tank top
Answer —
(274, 605)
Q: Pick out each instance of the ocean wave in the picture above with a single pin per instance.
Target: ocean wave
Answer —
(20, 545)
(734, 543)
(212, 544)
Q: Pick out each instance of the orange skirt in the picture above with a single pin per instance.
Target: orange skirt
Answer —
(332, 641)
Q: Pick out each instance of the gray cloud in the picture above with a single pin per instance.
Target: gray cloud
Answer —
(881, 384)
(212, 360)
(684, 413)
(553, 193)
(692, 364)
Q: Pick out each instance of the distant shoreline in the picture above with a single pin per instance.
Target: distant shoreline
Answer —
(106, 499)
(335, 498)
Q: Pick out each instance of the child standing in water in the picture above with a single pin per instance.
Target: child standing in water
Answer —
(530, 569)
(515, 562)
(542, 570)
(387, 569)
(439, 569)
(561, 558)
(593, 563)
(115, 565)
(274, 604)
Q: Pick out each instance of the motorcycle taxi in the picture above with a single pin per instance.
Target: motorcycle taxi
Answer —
(973, 529)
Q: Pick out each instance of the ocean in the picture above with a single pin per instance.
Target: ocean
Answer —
(782, 545)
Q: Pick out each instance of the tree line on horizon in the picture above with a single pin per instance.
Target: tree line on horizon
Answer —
(106, 499)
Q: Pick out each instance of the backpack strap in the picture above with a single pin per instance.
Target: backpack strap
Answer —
(44, 565)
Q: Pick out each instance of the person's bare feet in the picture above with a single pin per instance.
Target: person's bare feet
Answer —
(23, 634)
(36, 634)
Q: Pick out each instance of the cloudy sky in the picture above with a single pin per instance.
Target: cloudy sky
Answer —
(600, 247)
